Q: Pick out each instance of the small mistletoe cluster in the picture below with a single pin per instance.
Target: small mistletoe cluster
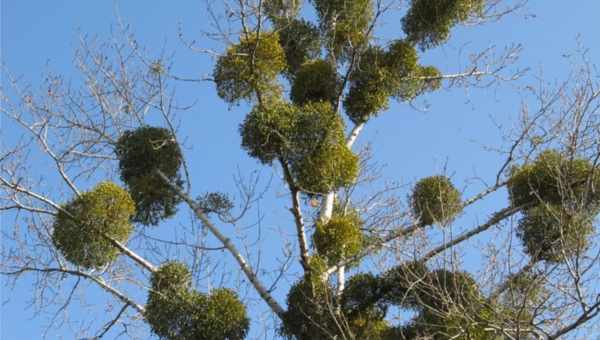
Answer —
(382, 74)
(340, 237)
(85, 227)
(250, 67)
(562, 197)
(177, 312)
(435, 200)
(428, 23)
(142, 153)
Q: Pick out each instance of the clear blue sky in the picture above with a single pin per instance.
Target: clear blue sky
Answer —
(41, 34)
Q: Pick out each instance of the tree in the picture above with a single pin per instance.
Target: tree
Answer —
(311, 83)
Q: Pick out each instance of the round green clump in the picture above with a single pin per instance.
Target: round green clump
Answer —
(344, 23)
(401, 59)
(316, 80)
(435, 200)
(81, 228)
(553, 233)
(555, 179)
(141, 153)
(300, 41)
(366, 98)
(363, 295)
(267, 130)
(339, 238)
(311, 311)
(446, 302)
(250, 67)
(224, 317)
(363, 307)
(428, 23)
(397, 283)
(215, 202)
(383, 74)
(444, 289)
(369, 86)
(175, 311)
(326, 169)
(310, 139)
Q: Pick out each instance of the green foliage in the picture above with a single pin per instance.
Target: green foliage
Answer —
(80, 229)
(309, 138)
(382, 74)
(364, 295)
(316, 80)
(369, 87)
(267, 131)
(300, 41)
(555, 179)
(250, 67)
(435, 200)
(143, 152)
(428, 23)
(215, 202)
(449, 305)
(174, 311)
(339, 238)
(311, 311)
(327, 168)
(398, 282)
(553, 233)
(345, 23)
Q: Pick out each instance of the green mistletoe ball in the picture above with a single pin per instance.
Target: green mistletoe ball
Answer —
(82, 229)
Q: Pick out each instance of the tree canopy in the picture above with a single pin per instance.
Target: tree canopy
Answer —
(367, 258)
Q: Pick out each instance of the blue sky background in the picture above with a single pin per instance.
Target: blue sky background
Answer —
(40, 35)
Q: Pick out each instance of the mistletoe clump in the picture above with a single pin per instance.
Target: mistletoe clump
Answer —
(316, 80)
(84, 227)
(311, 310)
(327, 168)
(555, 179)
(435, 200)
(369, 86)
(250, 67)
(215, 202)
(428, 23)
(266, 131)
(310, 139)
(300, 41)
(345, 23)
(175, 311)
(142, 153)
(382, 74)
(363, 297)
(397, 283)
(449, 302)
(339, 238)
(553, 233)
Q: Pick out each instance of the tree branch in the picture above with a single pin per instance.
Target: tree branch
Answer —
(98, 280)
(243, 263)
